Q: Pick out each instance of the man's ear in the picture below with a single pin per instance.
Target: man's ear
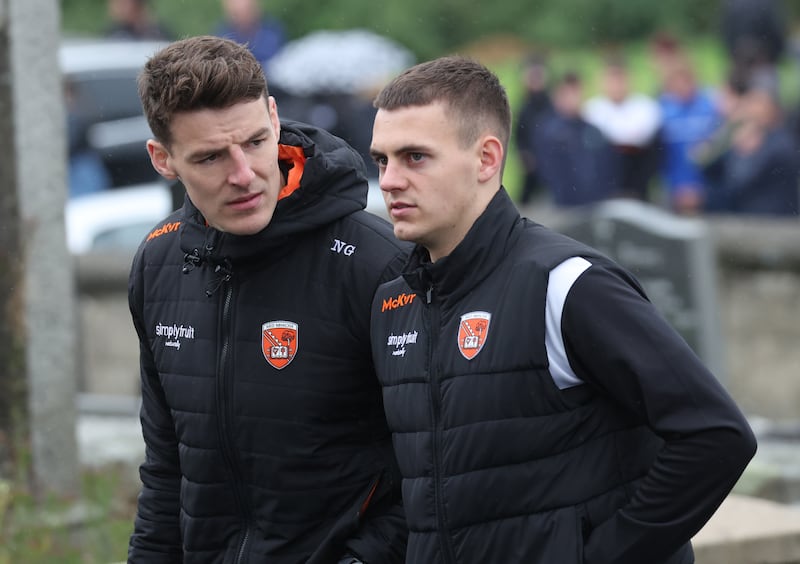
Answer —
(161, 160)
(272, 107)
(491, 153)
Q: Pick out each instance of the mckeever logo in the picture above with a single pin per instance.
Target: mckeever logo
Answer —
(166, 228)
(174, 333)
(399, 342)
(399, 301)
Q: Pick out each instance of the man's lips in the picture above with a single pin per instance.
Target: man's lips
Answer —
(245, 202)
(399, 209)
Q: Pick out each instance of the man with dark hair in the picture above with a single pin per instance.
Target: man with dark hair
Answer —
(266, 439)
(542, 410)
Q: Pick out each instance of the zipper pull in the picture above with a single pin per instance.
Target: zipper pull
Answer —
(190, 261)
(429, 294)
(224, 272)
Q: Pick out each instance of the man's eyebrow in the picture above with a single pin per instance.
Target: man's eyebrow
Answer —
(204, 152)
(260, 133)
(411, 148)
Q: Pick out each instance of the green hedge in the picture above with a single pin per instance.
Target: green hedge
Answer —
(431, 28)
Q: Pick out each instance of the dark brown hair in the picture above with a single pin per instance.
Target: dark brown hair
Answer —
(196, 73)
(472, 93)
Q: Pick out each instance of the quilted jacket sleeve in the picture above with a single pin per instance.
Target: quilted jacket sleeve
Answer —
(156, 536)
(618, 342)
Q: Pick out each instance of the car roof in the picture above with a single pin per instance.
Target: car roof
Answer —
(133, 209)
(97, 54)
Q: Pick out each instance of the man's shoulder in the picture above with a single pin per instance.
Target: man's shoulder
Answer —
(367, 246)
(162, 238)
(396, 290)
(546, 248)
(372, 230)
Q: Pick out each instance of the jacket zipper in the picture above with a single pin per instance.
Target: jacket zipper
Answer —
(225, 414)
(446, 545)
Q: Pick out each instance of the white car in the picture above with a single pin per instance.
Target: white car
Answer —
(119, 219)
(115, 219)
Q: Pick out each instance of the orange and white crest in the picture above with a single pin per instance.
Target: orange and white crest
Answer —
(279, 342)
(472, 332)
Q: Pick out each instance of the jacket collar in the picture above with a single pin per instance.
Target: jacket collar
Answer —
(479, 254)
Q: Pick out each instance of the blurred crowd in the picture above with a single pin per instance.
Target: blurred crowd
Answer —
(691, 147)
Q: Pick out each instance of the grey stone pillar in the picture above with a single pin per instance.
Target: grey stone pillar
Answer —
(34, 167)
(13, 388)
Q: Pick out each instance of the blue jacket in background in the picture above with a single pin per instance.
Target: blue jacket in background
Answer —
(687, 123)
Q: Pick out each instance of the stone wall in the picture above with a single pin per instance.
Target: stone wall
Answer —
(759, 289)
(758, 279)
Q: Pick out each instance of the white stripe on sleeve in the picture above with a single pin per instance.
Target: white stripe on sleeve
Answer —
(560, 282)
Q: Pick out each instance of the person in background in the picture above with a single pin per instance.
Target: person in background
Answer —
(542, 410)
(689, 119)
(263, 421)
(631, 122)
(535, 105)
(664, 50)
(754, 34)
(132, 19)
(576, 163)
(245, 23)
(758, 173)
(87, 173)
(709, 155)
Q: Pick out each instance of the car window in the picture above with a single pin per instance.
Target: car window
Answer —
(106, 96)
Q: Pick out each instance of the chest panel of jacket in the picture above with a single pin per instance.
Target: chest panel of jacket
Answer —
(289, 413)
(494, 422)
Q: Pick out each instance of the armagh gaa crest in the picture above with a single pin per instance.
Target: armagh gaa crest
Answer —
(279, 342)
(472, 332)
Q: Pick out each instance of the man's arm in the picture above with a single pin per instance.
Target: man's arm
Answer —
(382, 530)
(156, 536)
(383, 534)
(617, 341)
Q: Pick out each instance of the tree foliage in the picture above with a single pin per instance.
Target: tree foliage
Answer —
(431, 28)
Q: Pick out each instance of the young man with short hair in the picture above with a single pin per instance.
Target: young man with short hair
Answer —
(542, 410)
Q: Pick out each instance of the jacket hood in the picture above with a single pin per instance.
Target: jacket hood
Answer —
(326, 180)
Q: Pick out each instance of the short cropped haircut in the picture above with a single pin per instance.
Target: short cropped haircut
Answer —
(471, 92)
(197, 73)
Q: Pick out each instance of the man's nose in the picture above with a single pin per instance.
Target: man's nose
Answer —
(242, 173)
(391, 178)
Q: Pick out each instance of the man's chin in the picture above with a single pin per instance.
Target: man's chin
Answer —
(403, 233)
(245, 226)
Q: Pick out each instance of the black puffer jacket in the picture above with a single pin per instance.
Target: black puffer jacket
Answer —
(263, 420)
(501, 462)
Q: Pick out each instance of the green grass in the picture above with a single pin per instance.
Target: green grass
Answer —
(47, 532)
